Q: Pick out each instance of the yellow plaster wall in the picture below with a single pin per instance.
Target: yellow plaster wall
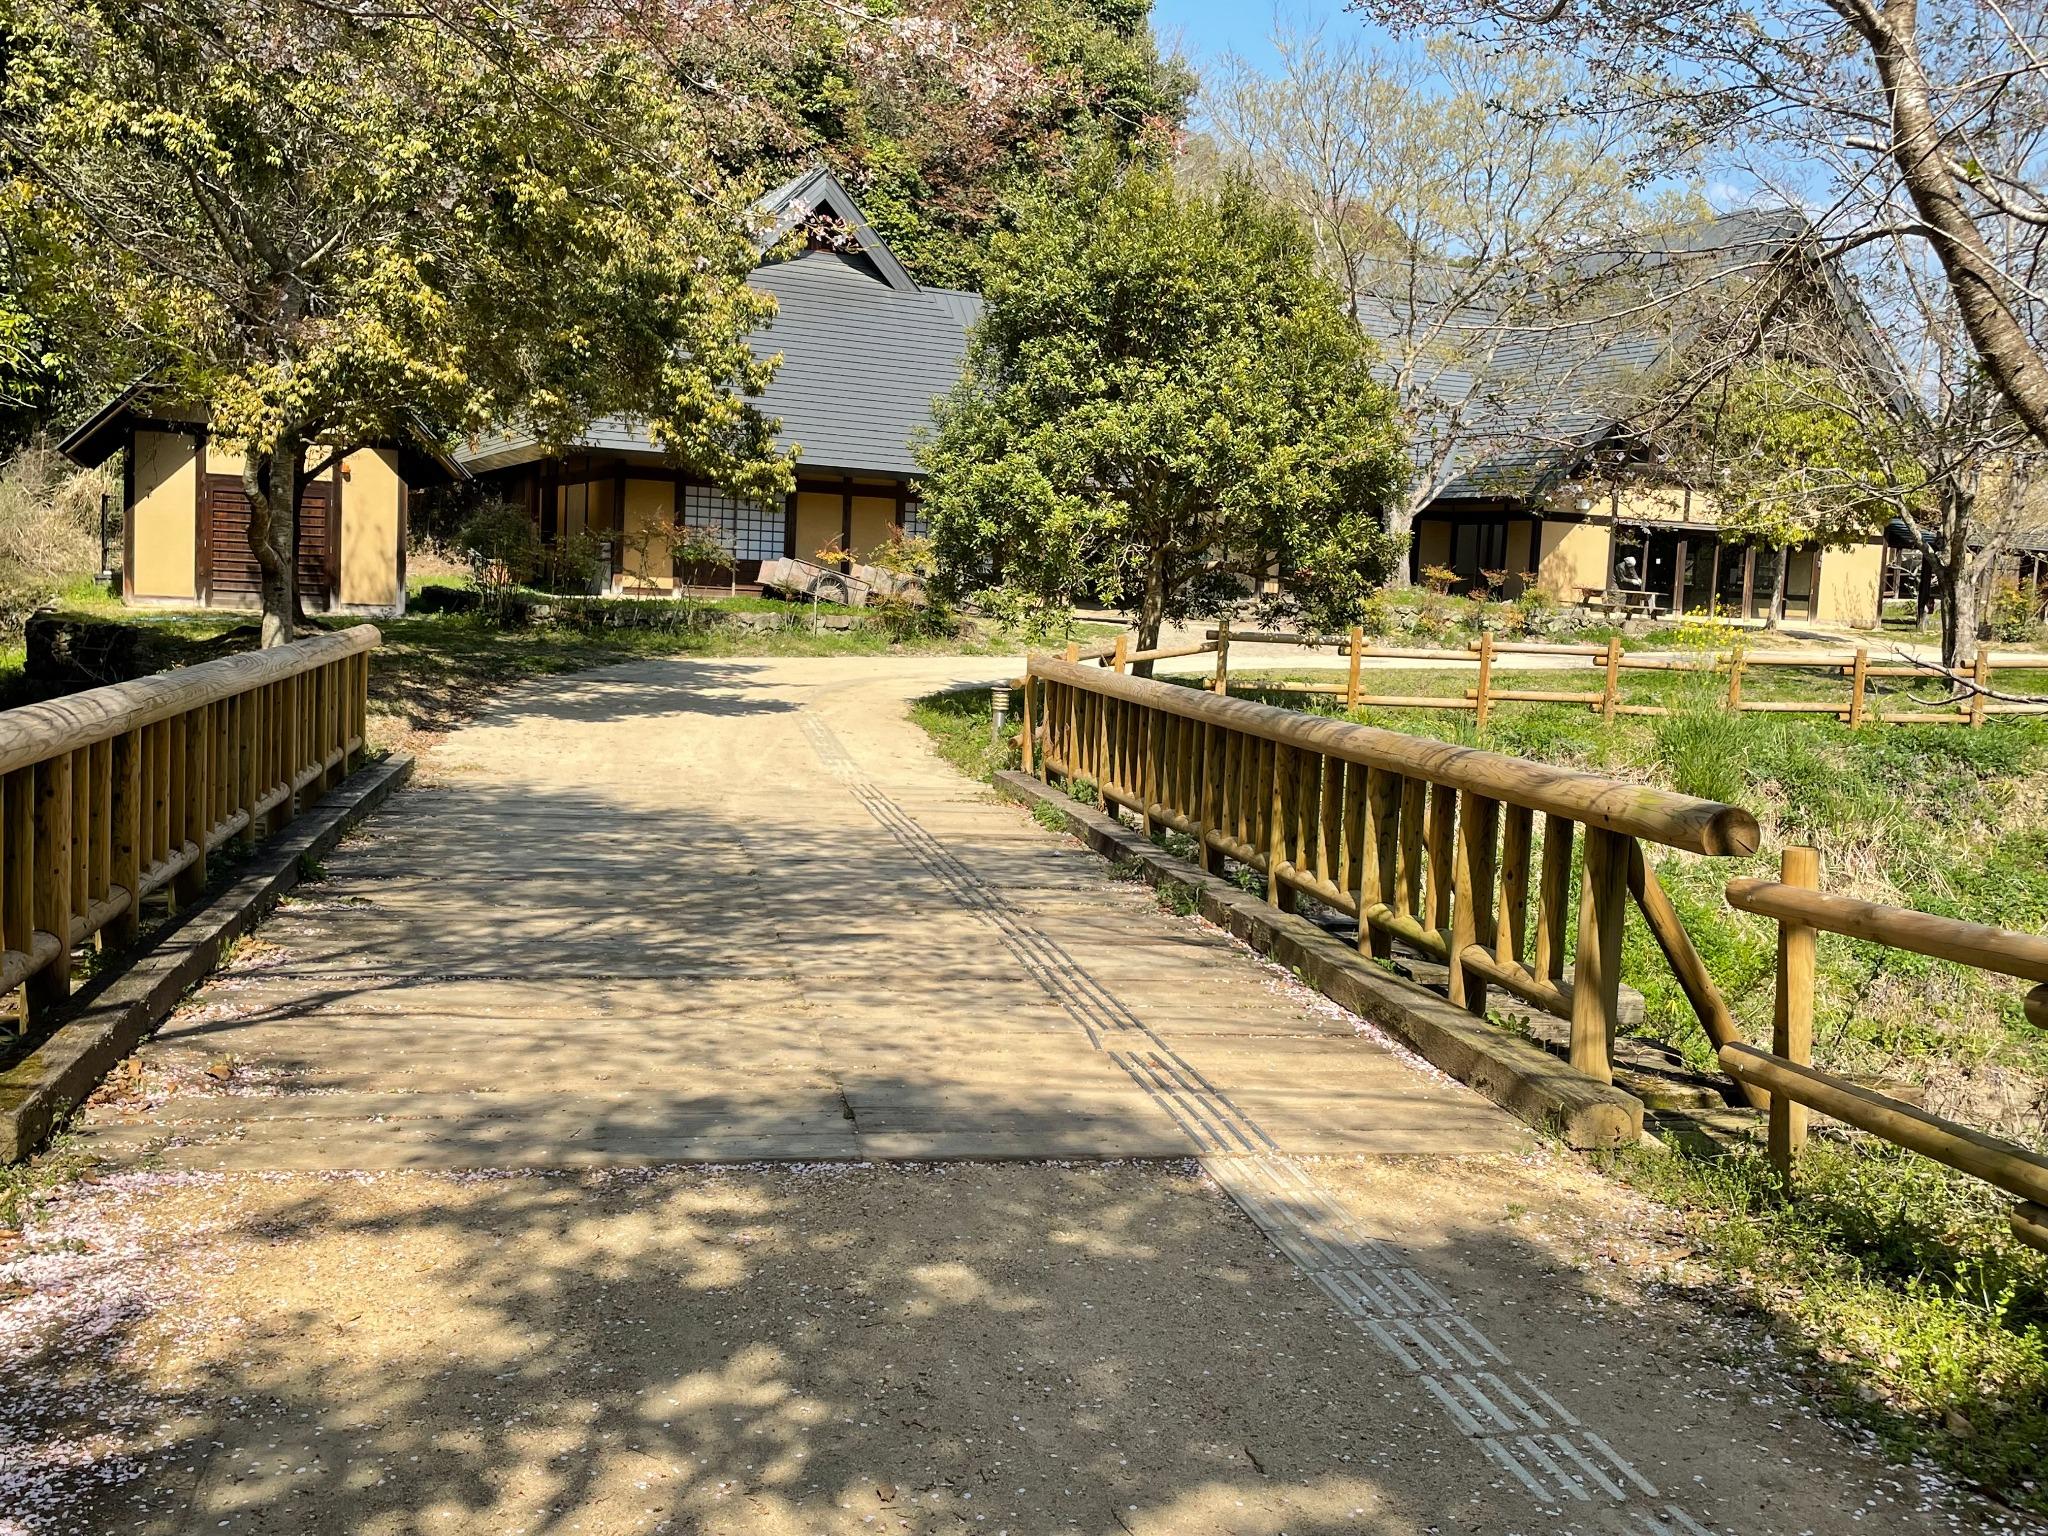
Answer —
(818, 522)
(1518, 557)
(644, 559)
(371, 498)
(874, 522)
(1847, 592)
(1573, 557)
(1432, 544)
(164, 520)
(1649, 503)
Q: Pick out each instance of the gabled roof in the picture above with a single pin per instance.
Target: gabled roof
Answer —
(1549, 392)
(865, 349)
(818, 192)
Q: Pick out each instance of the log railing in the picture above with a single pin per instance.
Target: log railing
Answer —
(1424, 841)
(1862, 702)
(1794, 1085)
(109, 795)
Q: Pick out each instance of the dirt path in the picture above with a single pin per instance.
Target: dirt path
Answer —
(407, 1225)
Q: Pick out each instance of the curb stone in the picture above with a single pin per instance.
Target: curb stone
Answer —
(40, 1090)
(1529, 1083)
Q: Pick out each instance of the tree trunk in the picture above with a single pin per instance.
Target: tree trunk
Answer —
(1920, 148)
(270, 482)
(1151, 609)
(1775, 614)
(1959, 606)
(1401, 524)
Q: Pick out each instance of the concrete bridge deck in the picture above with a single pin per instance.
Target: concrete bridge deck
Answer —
(430, 1263)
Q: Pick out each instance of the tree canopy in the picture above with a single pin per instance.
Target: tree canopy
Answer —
(1164, 402)
(341, 227)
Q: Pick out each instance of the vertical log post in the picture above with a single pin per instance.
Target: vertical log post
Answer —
(18, 860)
(1357, 658)
(1596, 968)
(1473, 918)
(1117, 657)
(1859, 679)
(1792, 1019)
(1382, 841)
(1278, 779)
(1485, 679)
(126, 834)
(1735, 678)
(1220, 684)
(51, 845)
(1553, 899)
(1980, 677)
(194, 731)
(1512, 939)
(1443, 852)
(1610, 694)
(1027, 756)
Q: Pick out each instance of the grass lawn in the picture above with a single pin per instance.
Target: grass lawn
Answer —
(1895, 1283)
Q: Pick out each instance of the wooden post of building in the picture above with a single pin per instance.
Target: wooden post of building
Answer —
(1792, 1020)
(1485, 679)
(1357, 657)
(1859, 680)
(1610, 694)
(52, 851)
(1980, 677)
(1596, 968)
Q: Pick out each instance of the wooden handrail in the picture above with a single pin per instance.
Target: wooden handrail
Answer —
(35, 732)
(1613, 805)
(113, 794)
(1944, 938)
(1418, 840)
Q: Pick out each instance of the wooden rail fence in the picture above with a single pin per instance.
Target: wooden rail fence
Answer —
(1860, 705)
(1416, 839)
(109, 795)
(1436, 845)
(1794, 1085)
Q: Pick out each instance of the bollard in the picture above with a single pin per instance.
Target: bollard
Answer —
(999, 713)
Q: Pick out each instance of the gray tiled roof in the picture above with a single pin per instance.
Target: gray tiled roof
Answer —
(1547, 392)
(861, 361)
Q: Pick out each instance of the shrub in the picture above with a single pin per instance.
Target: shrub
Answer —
(503, 552)
(2010, 613)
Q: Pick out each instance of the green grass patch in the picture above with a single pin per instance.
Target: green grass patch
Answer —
(958, 724)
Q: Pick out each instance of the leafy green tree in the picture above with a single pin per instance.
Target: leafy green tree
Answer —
(1791, 451)
(336, 226)
(1164, 403)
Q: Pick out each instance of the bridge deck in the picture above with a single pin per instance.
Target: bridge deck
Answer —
(715, 911)
(642, 920)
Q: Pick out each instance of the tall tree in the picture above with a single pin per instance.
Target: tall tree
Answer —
(336, 226)
(1890, 121)
(1792, 459)
(1164, 402)
(1443, 195)
(938, 113)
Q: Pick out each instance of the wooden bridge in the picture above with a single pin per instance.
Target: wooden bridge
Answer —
(720, 912)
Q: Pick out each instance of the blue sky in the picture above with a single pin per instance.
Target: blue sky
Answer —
(1207, 29)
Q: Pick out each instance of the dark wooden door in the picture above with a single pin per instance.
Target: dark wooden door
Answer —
(232, 574)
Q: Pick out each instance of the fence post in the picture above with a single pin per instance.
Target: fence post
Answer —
(1610, 695)
(192, 799)
(1280, 760)
(1485, 678)
(1735, 678)
(1980, 676)
(1473, 917)
(1123, 649)
(1792, 1020)
(1596, 969)
(1357, 656)
(1026, 747)
(1859, 679)
(53, 853)
(1221, 683)
(126, 834)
